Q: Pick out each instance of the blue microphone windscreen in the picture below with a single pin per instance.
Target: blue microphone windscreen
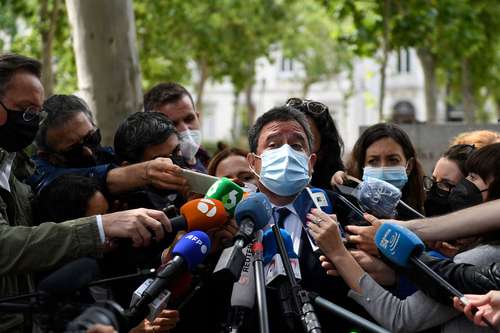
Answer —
(255, 207)
(323, 200)
(271, 248)
(397, 243)
(378, 196)
(70, 277)
(193, 248)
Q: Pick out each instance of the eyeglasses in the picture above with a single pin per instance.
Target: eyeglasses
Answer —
(30, 113)
(312, 107)
(92, 140)
(442, 186)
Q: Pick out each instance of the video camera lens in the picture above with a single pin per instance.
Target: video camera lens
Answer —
(105, 313)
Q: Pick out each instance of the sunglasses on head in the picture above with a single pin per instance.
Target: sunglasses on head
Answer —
(307, 105)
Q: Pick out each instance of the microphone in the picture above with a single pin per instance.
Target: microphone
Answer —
(275, 270)
(243, 294)
(403, 248)
(381, 197)
(188, 253)
(199, 214)
(70, 278)
(251, 214)
(300, 297)
(226, 191)
(276, 276)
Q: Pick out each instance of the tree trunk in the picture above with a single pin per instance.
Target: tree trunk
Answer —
(467, 93)
(428, 62)
(383, 63)
(47, 31)
(109, 76)
(236, 124)
(306, 85)
(200, 85)
(251, 109)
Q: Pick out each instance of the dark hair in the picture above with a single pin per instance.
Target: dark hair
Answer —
(11, 63)
(459, 154)
(330, 151)
(413, 191)
(164, 93)
(281, 113)
(66, 197)
(140, 131)
(485, 162)
(60, 109)
(222, 155)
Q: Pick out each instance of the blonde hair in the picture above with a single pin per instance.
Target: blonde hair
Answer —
(477, 138)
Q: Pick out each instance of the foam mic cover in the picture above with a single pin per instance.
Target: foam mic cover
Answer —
(271, 248)
(398, 244)
(255, 207)
(70, 277)
(193, 248)
(379, 196)
(203, 214)
(226, 191)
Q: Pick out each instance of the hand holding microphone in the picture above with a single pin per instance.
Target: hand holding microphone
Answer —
(488, 306)
(325, 230)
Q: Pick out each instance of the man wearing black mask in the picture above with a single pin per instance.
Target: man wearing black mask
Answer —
(69, 142)
(25, 249)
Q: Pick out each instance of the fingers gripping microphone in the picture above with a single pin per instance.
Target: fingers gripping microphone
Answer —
(200, 214)
(188, 253)
(403, 248)
(227, 192)
(251, 214)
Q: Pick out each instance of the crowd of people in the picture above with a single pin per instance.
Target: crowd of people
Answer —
(76, 198)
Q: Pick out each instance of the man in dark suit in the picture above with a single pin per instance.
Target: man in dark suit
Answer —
(280, 144)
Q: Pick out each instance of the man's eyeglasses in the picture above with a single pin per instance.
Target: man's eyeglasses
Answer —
(30, 113)
(91, 140)
(310, 106)
(444, 187)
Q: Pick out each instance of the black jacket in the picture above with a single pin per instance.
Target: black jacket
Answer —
(468, 279)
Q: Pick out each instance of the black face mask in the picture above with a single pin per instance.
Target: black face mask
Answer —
(437, 202)
(76, 158)
(17, 133)
(465, 195)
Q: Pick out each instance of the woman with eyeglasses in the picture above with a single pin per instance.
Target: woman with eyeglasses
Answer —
(327, 143)
(448, 172)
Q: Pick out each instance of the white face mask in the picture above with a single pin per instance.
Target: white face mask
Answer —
(190, 141)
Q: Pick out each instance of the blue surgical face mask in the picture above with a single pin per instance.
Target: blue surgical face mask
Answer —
(393, 175)
(284, 171)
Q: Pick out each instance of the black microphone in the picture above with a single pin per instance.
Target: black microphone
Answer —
(70, 278)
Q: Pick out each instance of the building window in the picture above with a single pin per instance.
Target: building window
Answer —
(403, 61)
(286, 64)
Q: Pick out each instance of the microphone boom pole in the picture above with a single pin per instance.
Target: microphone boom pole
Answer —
(300, 296)
(260, 283)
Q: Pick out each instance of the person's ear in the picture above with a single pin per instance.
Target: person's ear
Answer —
(251, 160)
(312, 161)
(410, 164)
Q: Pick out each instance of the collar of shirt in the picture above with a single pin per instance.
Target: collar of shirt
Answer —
(293, 225)
(5, 170)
